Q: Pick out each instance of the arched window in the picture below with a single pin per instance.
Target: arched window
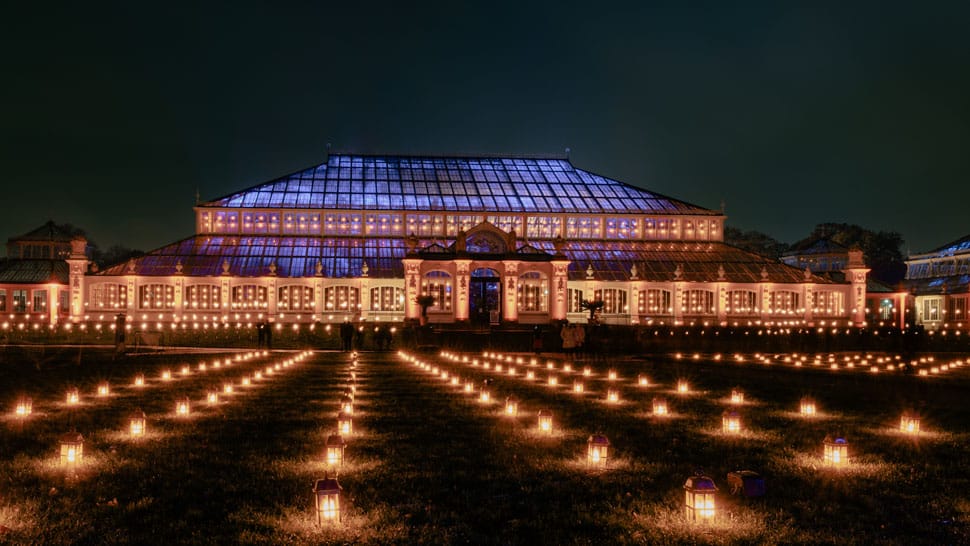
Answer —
(109, 296)
(438, 285)
(156, 296)
(742, 302)
(203, 296)
(295, 297)
(533, 292)
(654, 301)
(249, 296)
(614, 301)
(386, 298)
(698, 302)
(341, 298)
(784, 302)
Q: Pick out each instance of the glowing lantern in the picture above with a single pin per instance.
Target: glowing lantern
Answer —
(737, 396)
(258, 375)
(699, 498)
(140, 380)
(682, 386)
(469, 387)
(73, 397)
(212, 397)
(807, 406)
(643, 381)
(611, 375)
(246, 381)
(597, 450)
(137, 424)
(327, 499)
(345, 423)
(660, 406)
(587, 371)
(347, 405)
(530, 375)
(335, 449)
(484, 395)
(72, 448)
(103, 389)
(730, 422)
(512, 406)
(186, 370)
(166, 375)
(612, 396)
(545, 421)
(182, 406)
(227, 388)
(553, 381)
(835, 451)
(909, 423)
(348, 393)
(24, 407)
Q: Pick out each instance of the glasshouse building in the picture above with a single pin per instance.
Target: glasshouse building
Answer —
(459, 239)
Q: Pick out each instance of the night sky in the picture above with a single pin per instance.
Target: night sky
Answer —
(113, 117)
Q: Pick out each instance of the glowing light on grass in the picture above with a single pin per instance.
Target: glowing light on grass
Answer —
(611, 375)
(104, 389)
(137, 424)
(345, 424)
(202, 366)
(182, 407)
(166, 375)
(73, 396)
(347, 405)
(469, 387)
(186, 370)
(597, 451)
(511, 371)
(699, 498)
(730, 422)
(807, 406)
(683, 387)
(512, 406)
(568, 368)
(909, 423)
(613, 396)
(25, 406)
(737, 396)
(660, 406)
(530, 375)
(643, 380)
(587, 371)
(484, 396)
(835, 451)
(335, 447)
(139, 380)
(227, 388)
(552, 381)
(455, 380)
(246, 381)
(72, 448)
(550, 365)
(578, 387)
(212, 397)
(326, 494)
(545, 421)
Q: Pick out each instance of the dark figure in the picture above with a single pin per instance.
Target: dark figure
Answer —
(537, 339)
(269, 335)
(260, 334)
(383, 338)
(347, 335)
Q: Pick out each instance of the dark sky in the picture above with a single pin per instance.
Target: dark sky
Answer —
(791, 114)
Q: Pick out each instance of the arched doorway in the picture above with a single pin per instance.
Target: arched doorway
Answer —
(485, 296)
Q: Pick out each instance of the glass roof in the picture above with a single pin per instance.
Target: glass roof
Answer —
(344, 257)
(15, 271)
(959, 246)
(459, 184)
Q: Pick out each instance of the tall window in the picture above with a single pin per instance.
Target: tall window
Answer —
(614, 301)
(575, 301)
(203, 296)
(40, 301)
(341, 298)
(699, 302)
(783, 302)
(249, 296)
(543, 227)
(109, 296)
(3, 301)
(19, 301)
(65, 301)
(533, 292)
(386, 298)
(583, 227)
(226, 222)
(956, 309)
(156, 296)
(622, 228)
(930, 310)
(260, 222)
(742, 302)
(295, 298)
(303, 223)
(827, 302)
(438, 285)
(384, 224)
(654, 301)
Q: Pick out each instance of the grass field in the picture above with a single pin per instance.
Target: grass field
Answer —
(430, 463)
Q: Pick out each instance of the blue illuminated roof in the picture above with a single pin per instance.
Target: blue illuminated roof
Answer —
(461, 184)
(960, 246)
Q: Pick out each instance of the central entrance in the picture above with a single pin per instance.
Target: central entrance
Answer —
(485, 296)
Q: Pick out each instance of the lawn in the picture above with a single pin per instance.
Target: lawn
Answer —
(428, 462)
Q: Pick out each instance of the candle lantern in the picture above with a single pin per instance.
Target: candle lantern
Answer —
(186, 370)
(909, 423)
(484, 395)
(545, 421)
(140, 380)
(835, 451)
(345, 423)
(737, 396)
(807, 406)
(73, 396)
(643, 381)
(512, 406)
(166, 375)
(611, 375)
(137, 424)
(326, 494)
(347, 405)
(730, 422)
(660, 406)
(597, 450)
(335, 449)
(587, 371)
(104, 389)
(568, 368)
(613, 396)
(512, 371)
(469, 387)
(682, 386)
(25, 406)
(530, 375)
(553, 381)
(258, 375)
(246, 381)
(72, 448)
(227, 388)
(212, 397)
(182, 406)
(699, 498)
